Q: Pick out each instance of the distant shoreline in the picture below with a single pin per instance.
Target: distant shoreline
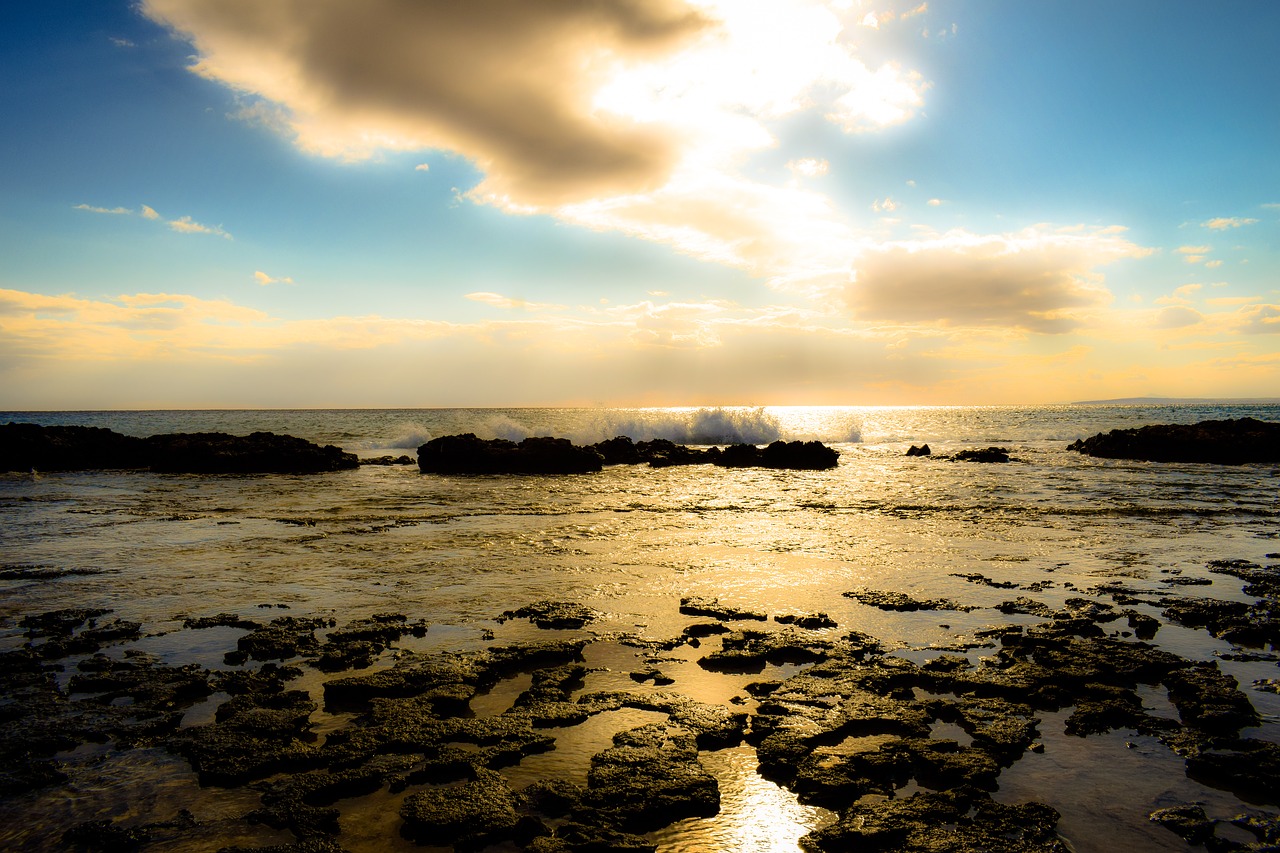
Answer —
(1175, 401)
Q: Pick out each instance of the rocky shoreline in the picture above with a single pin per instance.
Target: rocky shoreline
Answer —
(1227, 442)
(905, 755)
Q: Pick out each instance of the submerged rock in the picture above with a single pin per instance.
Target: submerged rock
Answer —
(1225, 442)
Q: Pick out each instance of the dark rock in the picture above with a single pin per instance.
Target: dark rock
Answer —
(59, 623)
(467, 454)
(1247, 767)
(1209, 700)
(553, 614)
(582, 838)
(24, 447)
(901, 602)
(256, 453)
(108, 836)
(255, 735)
(955, 821)
(808, 621)
(661, 453)
(358, 643)
(793, 455)
(979, 578)
(1226, 442)
(1144, 627)
(922, 450)
(1189, 822)
(697, 605)
(389, 460)
(221, 620)
(1234, 621)
(619, 451)
(70, 448)
(749, 651)
(469, 815)
(705, 629)
(285, 637)
(986, 454)
(651, 777)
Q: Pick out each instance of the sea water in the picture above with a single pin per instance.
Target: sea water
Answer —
(630, 541)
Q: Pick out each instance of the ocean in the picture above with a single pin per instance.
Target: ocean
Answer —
(631, 542)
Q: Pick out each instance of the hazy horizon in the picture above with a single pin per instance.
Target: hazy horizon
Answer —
(668, 203)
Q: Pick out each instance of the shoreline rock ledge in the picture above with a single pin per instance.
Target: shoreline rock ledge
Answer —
(31, 447)
(1227, 442)
(468, 454)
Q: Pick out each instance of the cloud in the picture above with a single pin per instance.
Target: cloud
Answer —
(556, 102)
(1176, 317)
(1033, 280)
(185, 225)
(497, 300)
(506, 82)
(1194, 254)
(116, 211)
(422, 167)
(1259, 319)
(1223, 223)
(264, 279)
(808, 167)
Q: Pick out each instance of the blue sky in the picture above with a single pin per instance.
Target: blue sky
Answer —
(388, 203)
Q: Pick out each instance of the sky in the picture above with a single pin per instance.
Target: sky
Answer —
(408, 203)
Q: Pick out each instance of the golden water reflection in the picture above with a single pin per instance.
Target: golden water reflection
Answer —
(756, 816)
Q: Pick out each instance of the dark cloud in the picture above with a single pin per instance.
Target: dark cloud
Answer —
(1038, 283)
(506, 82)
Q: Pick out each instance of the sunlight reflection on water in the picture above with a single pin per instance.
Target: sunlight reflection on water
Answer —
(756, 816)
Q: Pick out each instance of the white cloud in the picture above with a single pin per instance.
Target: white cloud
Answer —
(808, 167)
(186, 225)
(422, 167)
(1193, 254)
(149, 212)
(497, 300)
(1223, 223)
(116, 211)
(264, 279)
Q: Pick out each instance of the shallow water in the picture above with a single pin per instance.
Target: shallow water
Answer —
(630, 542)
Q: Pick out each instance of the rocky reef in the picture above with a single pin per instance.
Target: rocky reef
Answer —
(906, 754)
(1226, 442)
(27, 447)
(467, 454)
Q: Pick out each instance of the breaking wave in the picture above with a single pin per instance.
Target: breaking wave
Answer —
(698, 426)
